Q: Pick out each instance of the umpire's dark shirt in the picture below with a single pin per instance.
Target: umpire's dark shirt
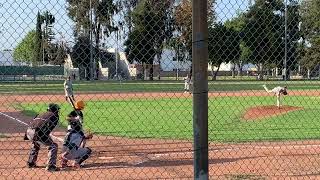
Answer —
(44, 125)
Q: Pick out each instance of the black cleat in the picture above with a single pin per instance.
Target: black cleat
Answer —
(31, 165)
(52, 168)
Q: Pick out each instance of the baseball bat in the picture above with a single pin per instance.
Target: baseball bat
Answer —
(72, 103)
(56, 139)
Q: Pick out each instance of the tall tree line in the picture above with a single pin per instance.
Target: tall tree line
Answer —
(255, 36)
(38, 46)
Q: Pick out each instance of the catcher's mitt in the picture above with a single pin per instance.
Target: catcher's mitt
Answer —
(89, 136)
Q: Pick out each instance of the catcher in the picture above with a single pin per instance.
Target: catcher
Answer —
(74, 142)
(278, 91)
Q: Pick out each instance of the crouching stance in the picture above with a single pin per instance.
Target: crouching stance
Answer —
(278, 91)
(73, 150)
(74, 142)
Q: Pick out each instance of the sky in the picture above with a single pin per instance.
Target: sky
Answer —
(17, 17)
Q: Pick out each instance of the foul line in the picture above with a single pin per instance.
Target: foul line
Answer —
(14, 118)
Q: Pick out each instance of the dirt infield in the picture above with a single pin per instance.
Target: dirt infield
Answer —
(125, 158)
(260, 112)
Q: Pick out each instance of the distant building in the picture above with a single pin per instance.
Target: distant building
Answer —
(229, 66)
(169, 62)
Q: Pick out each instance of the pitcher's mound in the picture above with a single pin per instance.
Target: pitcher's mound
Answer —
(260, 112)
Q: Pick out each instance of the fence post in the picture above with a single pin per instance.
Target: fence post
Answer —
(200, 87)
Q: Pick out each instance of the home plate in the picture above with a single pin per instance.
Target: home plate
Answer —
(104, 157)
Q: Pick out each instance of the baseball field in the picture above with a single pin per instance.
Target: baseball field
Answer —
(144, 129)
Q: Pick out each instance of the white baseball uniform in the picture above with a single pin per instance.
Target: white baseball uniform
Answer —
(187, 82)
(68, 89)
(277, 91)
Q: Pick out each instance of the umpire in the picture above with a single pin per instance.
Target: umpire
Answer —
(39, 133)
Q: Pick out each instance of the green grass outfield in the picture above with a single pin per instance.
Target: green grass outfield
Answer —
(56, 87)
(172, 118)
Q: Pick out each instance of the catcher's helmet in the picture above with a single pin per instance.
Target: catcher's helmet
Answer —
(53, 107)
(79, 105)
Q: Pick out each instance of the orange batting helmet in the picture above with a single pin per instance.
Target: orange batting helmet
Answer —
(79, 105)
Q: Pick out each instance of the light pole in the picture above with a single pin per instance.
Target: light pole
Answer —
(43, 43)
(177, 58)
(116, 53)
(92, 72)
(43, 33)
(285, 41)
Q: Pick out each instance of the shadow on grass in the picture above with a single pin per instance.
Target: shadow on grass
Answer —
(29, 113)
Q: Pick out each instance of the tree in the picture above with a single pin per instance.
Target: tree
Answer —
(81, 56)
(57, 53)
(44, 36)
(38, 40)
(263, 33)
(128, 6)
(48, 35)
(183, 22)
(237, 24)
(165, 25)
(224, 46)
(149, 32)
(310, 25)
(140, 42)
(293, 36)
(26, 49)
(94, 18)
(98, 19)
(311, 60)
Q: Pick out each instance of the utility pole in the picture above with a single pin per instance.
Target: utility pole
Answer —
(43, 41)
(177, 59)
(116, 53)
(285, 40)
(92, 65)
(200, 88)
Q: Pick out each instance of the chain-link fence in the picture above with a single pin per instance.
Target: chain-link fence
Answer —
(109, 88)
